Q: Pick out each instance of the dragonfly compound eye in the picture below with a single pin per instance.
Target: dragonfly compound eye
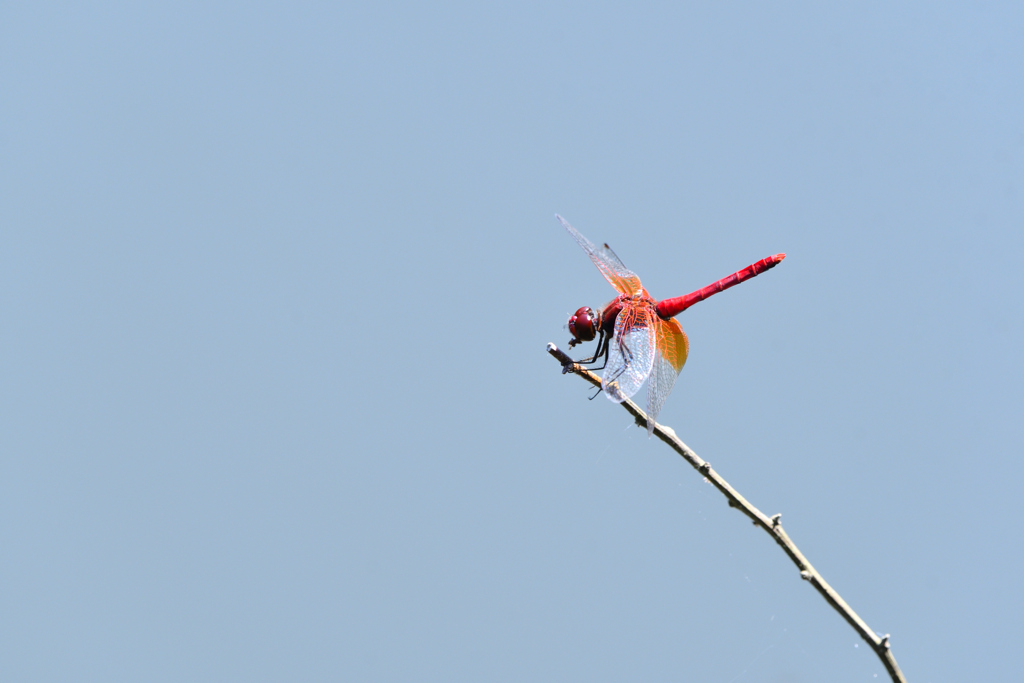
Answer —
(583, 324)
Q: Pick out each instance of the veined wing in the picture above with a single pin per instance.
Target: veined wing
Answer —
(670, 353)
(620, 277)
(630, 352)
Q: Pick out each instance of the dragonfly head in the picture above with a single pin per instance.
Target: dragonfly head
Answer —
(583, 325)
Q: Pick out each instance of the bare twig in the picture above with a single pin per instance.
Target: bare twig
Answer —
(772, 525)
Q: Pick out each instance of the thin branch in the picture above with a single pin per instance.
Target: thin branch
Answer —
(772, 525)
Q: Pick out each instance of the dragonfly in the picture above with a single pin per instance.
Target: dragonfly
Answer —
(638, 337)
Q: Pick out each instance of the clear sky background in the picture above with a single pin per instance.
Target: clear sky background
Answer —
(276, 283)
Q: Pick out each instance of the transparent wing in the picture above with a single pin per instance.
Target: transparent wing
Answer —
(670, 354)
(607, 253)
(630, 353)
(620, 277)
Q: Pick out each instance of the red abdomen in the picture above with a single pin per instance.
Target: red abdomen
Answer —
(669, 308)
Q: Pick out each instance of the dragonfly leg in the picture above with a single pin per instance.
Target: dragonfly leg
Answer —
(602, 353)
(603, 343)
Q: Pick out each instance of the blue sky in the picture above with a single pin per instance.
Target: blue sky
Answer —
(276, 282)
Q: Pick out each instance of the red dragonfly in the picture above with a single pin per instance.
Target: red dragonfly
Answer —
(638, 336)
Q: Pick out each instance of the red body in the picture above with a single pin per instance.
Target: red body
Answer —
(670, 308)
